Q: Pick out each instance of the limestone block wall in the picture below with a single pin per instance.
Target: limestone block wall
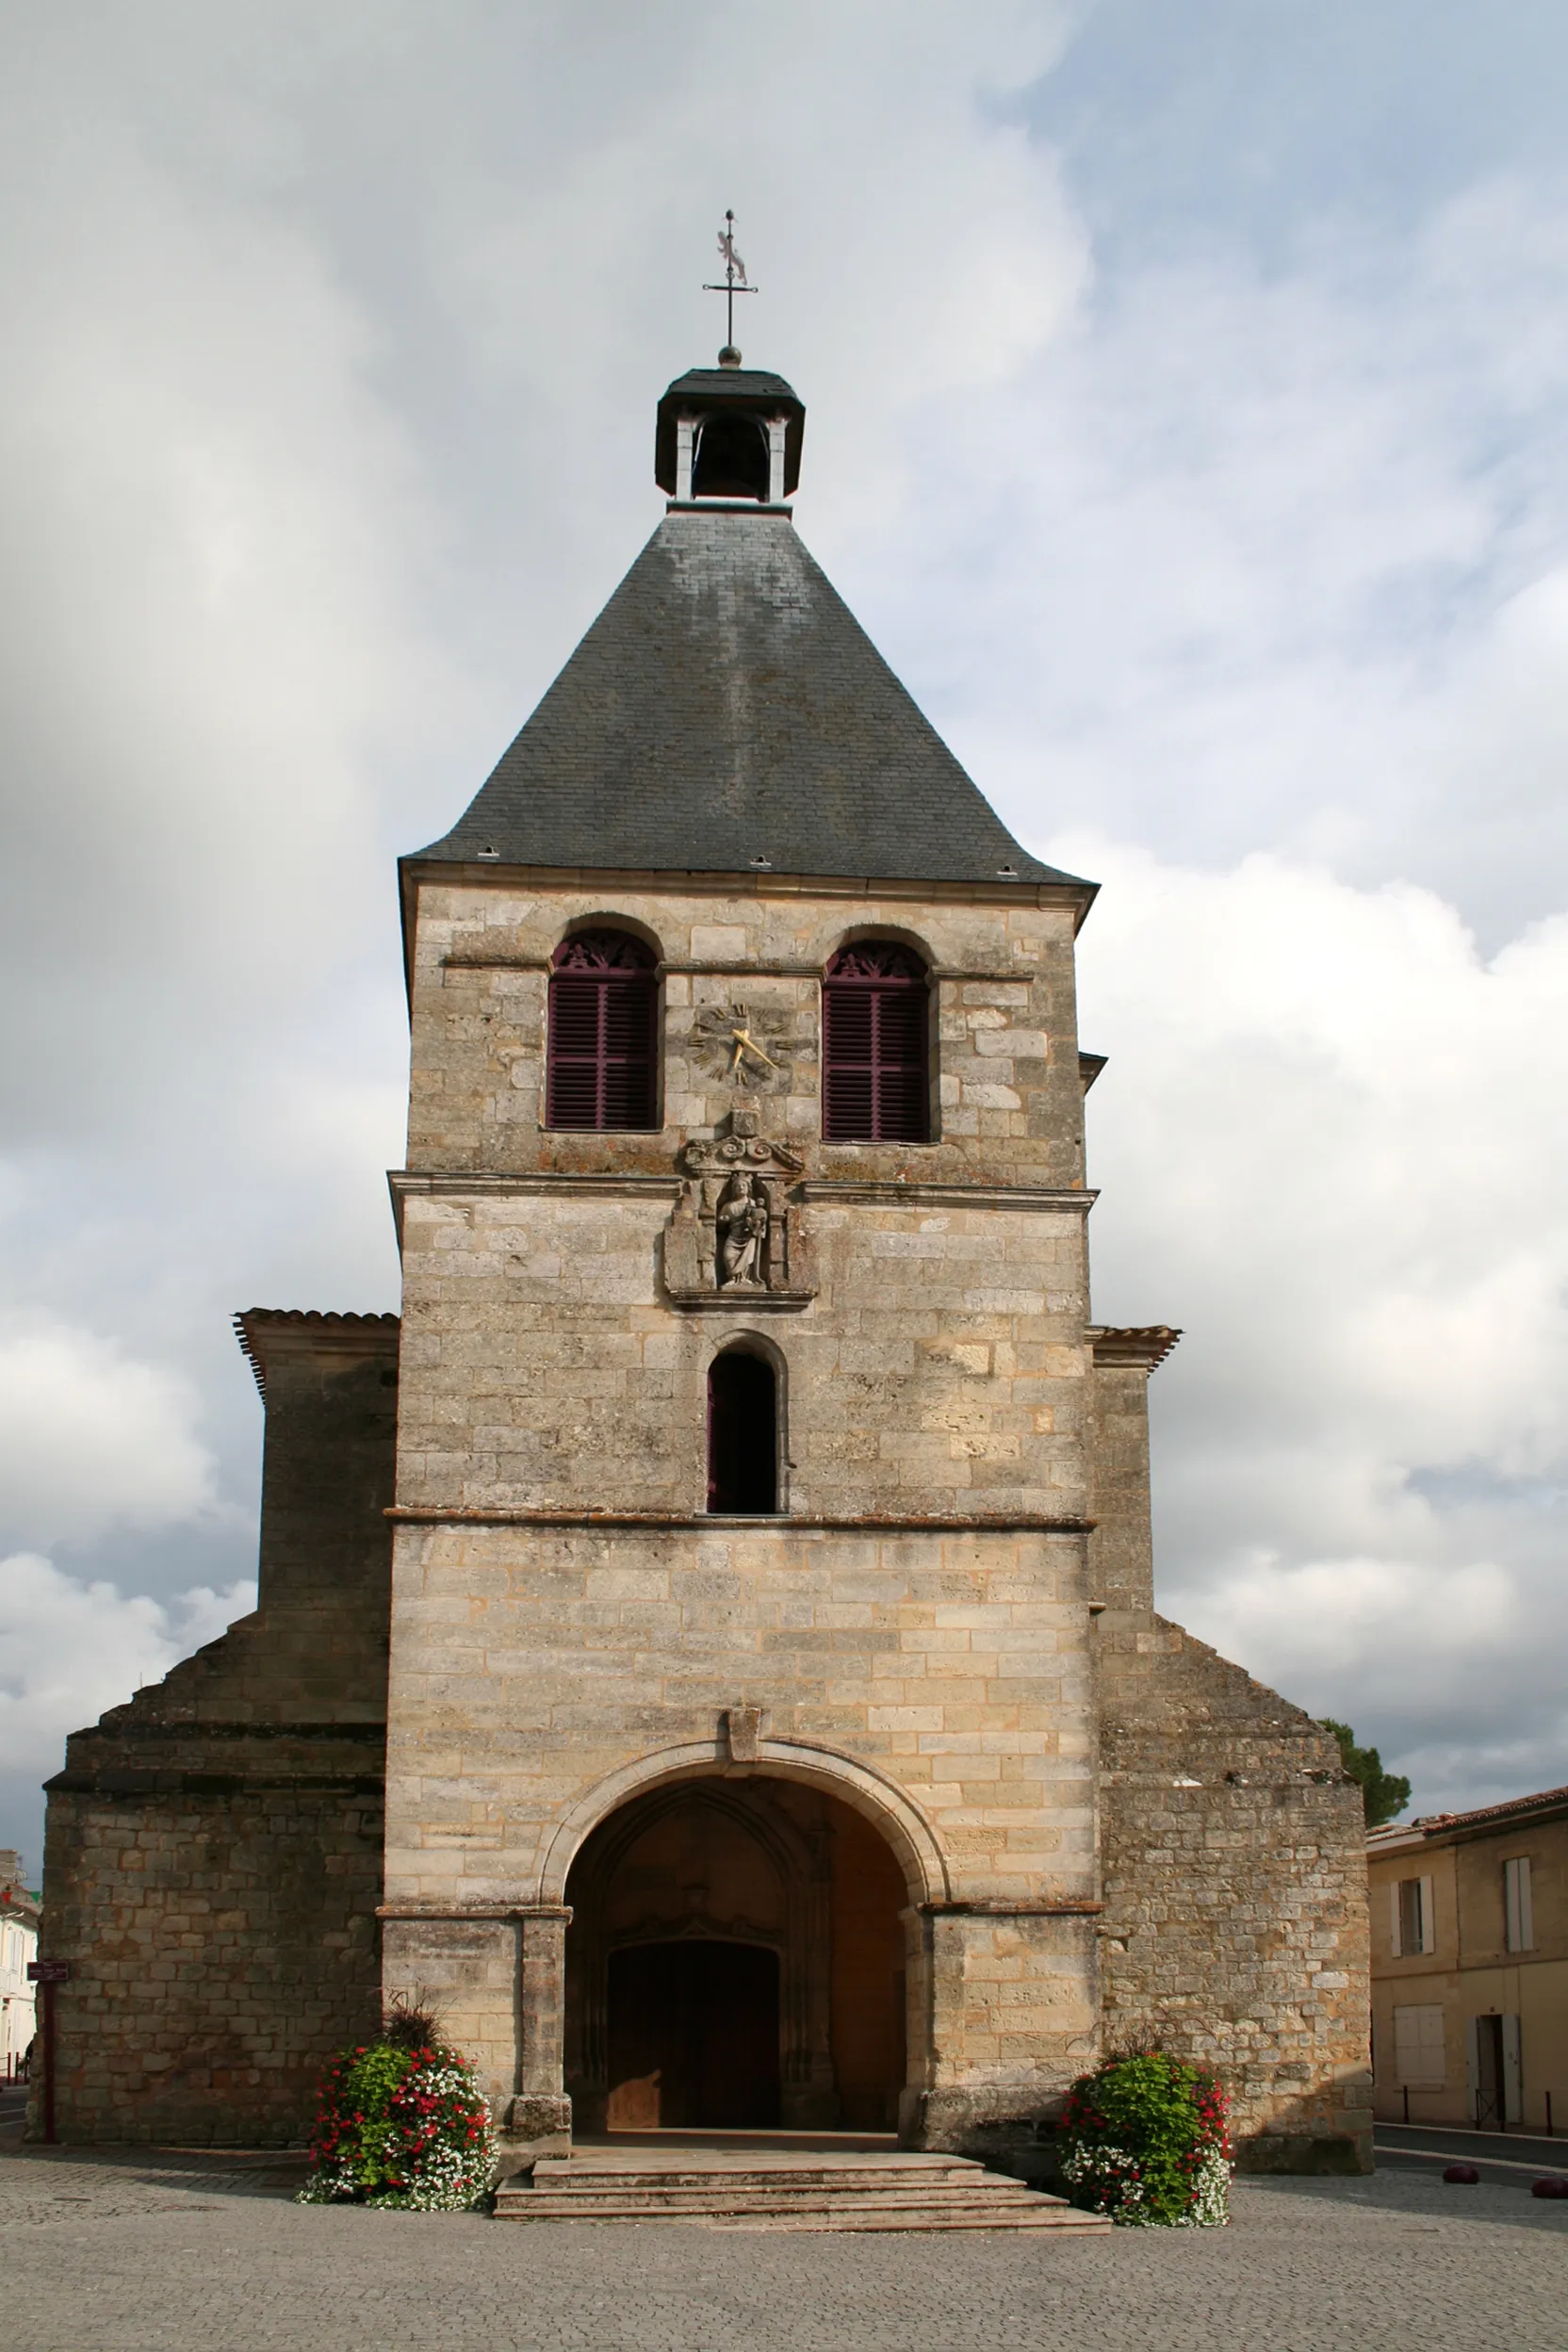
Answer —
(213, 1849)
(1121, 1550)
(1234, 1927)
(940, 1366)
(216, 1900)
(939, 1683)
(1007, 1094)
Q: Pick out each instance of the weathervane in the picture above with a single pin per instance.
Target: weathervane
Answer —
(734, 283)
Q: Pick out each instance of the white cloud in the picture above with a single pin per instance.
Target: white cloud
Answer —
(1331, 1139)
(90, 1438)
(70, 1650)
(1272, 557)
(336, 333)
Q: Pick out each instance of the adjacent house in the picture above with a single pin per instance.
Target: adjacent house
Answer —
(1470, 1966)
(18, 1946)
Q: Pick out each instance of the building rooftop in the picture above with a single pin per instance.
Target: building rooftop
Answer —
(1485, 1817)
(726, 712)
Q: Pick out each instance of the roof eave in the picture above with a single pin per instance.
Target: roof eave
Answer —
(1065, 891)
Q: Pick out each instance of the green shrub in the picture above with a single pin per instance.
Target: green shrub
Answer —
(1145, 2141)
(401, 2122)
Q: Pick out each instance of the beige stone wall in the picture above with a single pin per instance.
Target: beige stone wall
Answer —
(941, 1367)
(1236, 1925)
(936, 1378)
(1008, 1096)
(915, 1634)
(212, 1860)
(532, 1668)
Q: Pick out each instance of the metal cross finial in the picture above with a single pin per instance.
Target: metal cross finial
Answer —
(735, 282)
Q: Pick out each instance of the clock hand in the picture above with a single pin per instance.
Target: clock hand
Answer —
(745, 1044)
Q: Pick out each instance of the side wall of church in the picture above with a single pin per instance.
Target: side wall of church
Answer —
(1234, 1928)
(213, 1852)
(1232, 1863)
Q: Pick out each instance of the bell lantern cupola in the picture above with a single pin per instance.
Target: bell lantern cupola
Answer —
(728, 436)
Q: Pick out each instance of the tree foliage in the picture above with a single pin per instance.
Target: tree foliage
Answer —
(1386, 1794)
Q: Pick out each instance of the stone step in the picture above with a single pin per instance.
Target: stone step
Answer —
(658, 2181)
(825, 2215)
(891, 2193)
(762, 2200)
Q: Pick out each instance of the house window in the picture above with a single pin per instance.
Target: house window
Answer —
(1412, 1924)
(602, 1061)
(1418, 2051)
(1518, 1914)
(743, 1433)
(876, 1087)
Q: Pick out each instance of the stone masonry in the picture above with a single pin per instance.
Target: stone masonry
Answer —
(1097, 1834)
(212, 1861)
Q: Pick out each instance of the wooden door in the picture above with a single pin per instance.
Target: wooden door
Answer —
(693, 2036)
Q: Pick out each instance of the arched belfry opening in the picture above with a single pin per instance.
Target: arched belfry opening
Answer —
(735, 1961)
(729, 457)
(743, 1431)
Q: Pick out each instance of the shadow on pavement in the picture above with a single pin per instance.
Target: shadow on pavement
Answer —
(1410, 2186)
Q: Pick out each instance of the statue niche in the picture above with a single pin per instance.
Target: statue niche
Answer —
(735, 1239)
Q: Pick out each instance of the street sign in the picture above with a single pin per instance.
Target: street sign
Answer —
(48, 1971)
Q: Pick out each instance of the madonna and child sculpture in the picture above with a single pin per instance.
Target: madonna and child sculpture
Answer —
(741, 1218)
(736, 1237)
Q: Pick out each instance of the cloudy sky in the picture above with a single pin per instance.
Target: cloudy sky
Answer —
(1188, 392)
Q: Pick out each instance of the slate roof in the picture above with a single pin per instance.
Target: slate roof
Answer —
(727, 707)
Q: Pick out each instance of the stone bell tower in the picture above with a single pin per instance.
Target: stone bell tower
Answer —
(778, 1727)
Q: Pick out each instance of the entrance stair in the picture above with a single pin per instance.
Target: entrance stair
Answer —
(757, 2186)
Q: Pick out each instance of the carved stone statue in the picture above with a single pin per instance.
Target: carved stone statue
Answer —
(735, 1231)
(742, 1218)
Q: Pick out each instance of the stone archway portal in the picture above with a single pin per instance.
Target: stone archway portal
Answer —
(736, 1958)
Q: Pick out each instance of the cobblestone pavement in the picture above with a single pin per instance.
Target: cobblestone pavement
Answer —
(175, 2253)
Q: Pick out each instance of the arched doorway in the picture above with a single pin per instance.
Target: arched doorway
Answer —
(736, 1959)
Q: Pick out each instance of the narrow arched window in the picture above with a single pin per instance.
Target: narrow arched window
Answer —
(876, 1087)
(603, 1057)
(743, 1433)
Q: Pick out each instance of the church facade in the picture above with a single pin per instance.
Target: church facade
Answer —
(707, 1642)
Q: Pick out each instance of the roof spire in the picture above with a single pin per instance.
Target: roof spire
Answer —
(735, 281)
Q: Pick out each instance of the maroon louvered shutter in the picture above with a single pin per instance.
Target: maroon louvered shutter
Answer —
(603, 1050)
(875, 1084)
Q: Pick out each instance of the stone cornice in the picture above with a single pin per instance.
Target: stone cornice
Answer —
(267, 1332)
(1073, 897)
(1045, 1200)
(477, 1910)
(409, 1184)
(412, 1183)
(1143, 1346)
(1025, 1907)
(747, 968)
(715, 1523)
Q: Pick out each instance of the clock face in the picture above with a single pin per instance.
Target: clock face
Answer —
(748, 1046)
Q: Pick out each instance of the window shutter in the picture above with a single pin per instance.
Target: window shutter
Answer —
(1473, 2064)
(1519, 1924)
(1395, 1942)
(1428, 1922)
(1513, 2075)
(876, 1019)
(602, 1058)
